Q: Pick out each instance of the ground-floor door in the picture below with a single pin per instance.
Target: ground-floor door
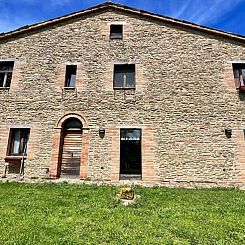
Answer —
(130, 154)
(71, 154)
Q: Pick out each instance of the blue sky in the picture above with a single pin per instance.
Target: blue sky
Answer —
(226, 15)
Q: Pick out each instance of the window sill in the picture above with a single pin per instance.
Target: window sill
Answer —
(4, 88)
(116, 38)
(14, 159)
(69, 88)
(124, 88)
(241, 89)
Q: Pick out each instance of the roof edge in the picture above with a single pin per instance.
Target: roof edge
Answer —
(124, 8)
(35, 26)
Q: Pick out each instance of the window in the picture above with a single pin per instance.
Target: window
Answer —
(116, 32)
(124, 76)
(19, 138)
(6, 70)
(70, 79)
(239, 75)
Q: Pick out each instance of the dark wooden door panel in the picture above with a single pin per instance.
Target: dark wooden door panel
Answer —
(71, 154)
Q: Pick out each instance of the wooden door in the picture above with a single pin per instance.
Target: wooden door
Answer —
(71, 154)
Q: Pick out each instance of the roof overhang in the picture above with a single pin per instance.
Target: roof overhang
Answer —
(127, 10)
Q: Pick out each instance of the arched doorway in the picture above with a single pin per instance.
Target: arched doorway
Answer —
(71, 148)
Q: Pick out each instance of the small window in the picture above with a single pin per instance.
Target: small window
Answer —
(239, 75)
(19, 138)
(6, 71)
(70, 79)
(116, 32)
(124, 76)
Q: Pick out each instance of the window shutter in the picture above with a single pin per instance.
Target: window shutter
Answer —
(118, 76)
(236, 73)
(8, 79)
(16, 142)
(130, 74)
(236, 77)
(242, 79)
(72, 80)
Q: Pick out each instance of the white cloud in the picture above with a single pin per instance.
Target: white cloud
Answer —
(202, 11)
(205, 12)
(14, 14)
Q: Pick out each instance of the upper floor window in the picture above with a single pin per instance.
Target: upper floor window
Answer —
(116, 31)
(19, 138)
(6, 71)
(124, 76)
(239, 75)
(70, 79)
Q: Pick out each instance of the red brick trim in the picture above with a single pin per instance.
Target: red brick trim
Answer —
(148, 144)
(148, 148)
(75, 115)
(16, 76)
(84, 155)
(4, 135)
(240, 155)
(229, 78)
(114, 153)
(33, 143)
(55, 154)
(59, 79)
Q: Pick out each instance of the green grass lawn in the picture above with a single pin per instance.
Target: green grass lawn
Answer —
(88, 214)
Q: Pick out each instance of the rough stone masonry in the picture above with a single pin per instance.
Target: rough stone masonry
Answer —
(183, 101)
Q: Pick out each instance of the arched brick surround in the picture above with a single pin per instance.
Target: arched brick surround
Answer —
(56, 146)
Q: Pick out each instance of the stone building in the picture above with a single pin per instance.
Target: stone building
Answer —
(113, 92)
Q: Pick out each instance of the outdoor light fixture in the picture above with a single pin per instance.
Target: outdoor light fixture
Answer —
(228, 132)
(102, 133)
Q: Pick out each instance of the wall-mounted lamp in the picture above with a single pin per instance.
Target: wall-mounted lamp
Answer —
(102, 133)
(228, 132)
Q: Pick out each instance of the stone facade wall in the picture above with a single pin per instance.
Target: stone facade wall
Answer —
(185, 98)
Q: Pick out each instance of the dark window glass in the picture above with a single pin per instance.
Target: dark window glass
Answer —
(130, 134)
(130, 152)
(116, 31)
(72, 123)
(239, 74)
(124, 76)
(19, 141)
(6, 70)
(71, 72)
